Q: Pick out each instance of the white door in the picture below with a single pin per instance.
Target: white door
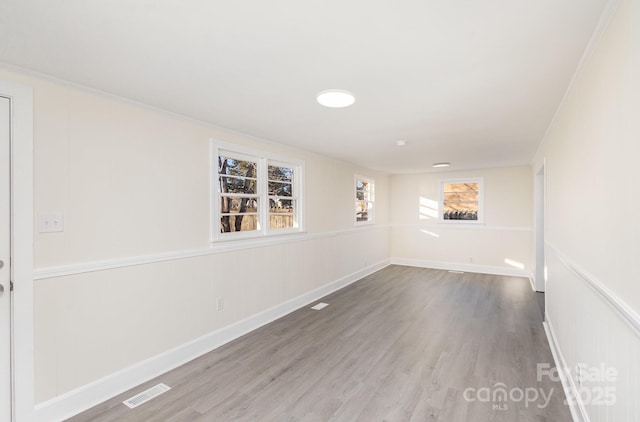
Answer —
(5, 270)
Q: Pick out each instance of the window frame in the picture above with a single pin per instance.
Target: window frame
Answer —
(372, 183)
(262, 160)
(481, 216)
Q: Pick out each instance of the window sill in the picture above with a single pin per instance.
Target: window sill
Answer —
(255, 241)
(461, 222)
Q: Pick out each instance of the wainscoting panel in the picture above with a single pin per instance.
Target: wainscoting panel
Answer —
(102, 331)
(592, 328)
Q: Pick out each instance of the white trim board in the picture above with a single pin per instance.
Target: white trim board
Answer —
(532, 281)
(216, 248)
(470, 268)
(625, 311)
(87, 396)
(30, 73)
(452, 225)
(603, 23)
(576, 407)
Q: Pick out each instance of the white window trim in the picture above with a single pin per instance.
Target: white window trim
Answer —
(263, 159)
(480, 182)
(372, 183)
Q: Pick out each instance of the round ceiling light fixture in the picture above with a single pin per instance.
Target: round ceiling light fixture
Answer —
(440, 165)
(336, 98)
(401, 143)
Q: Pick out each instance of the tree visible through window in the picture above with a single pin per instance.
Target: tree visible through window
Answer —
(255, 195)
(238, 194)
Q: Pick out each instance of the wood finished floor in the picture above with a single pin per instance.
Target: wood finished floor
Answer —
(403, 344)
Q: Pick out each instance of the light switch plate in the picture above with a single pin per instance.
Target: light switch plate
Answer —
(50, 223)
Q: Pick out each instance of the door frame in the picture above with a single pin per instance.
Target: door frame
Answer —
(22, 246)
(540, 205)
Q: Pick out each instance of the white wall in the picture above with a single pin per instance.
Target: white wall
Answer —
(592, 228)
(133, 275)
(417, 238)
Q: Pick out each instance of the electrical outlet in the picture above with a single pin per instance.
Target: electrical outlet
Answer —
(220, 304)
(470, 260)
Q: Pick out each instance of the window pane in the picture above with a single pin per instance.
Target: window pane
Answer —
(461, 196)
(237, 185)
(238, 214)
(461, 187)
(238, 223)
(229, 205)
(281, 206)
(363, 210)
(281, 213)
(234, 167)
(451, 214)
(281, 221)
(460, 210)
(363, 190)
(363, 196)
(361, 185)
(283, 174)
(280, 189)
(460, 206)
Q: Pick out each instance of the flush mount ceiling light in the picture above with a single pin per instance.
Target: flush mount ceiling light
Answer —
(401, 143)
(439, 165)
(336, 98)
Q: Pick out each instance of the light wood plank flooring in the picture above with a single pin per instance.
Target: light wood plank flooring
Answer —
(404, 344)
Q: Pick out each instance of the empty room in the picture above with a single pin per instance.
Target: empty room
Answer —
(319, 211)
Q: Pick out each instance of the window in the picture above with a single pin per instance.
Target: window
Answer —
(254, 194)
(462, 200)
(365, 200)
(282, 201)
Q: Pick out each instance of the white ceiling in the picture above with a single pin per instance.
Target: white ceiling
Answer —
(471, 82)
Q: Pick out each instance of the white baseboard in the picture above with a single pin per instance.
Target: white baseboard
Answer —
(532, 280)
(576, 406)
(471, 268)
(87, 396)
